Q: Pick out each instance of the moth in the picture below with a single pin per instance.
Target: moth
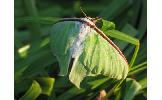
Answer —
(93, 52)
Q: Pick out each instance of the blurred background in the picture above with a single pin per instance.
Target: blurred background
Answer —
(34, 59)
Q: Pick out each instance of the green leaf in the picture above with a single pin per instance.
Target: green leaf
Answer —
(40, 20)
(42, 85)
(62, 82)
(23, 65)
(115, 8)
(143, 20)
(105, 25)
(46, 84)
(21, 86)
(33, 92)
(30, 6)
(121, 36)
(70, 93)
(132, 87)
(128, 30)
(137, 69)
(97, 82)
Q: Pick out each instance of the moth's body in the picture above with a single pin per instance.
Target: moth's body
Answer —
(93, 52)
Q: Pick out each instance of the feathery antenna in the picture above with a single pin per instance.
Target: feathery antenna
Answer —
(83, 12)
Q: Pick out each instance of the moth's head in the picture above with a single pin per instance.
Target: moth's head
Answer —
(94, 20)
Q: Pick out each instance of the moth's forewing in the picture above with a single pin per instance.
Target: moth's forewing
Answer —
(63, 35)
(98, 57)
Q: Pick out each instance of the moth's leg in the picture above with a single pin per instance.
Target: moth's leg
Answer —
(121, 36)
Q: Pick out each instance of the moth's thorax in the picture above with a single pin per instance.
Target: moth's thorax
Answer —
(88, 20)
(84, 31)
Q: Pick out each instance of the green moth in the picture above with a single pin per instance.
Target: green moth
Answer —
(93, 52)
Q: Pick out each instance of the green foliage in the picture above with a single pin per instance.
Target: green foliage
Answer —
(33, 92)
(36, 69)
(43, 85)
(132, 87)
(46, 85)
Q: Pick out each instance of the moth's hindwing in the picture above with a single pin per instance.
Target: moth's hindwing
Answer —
(63, 35)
